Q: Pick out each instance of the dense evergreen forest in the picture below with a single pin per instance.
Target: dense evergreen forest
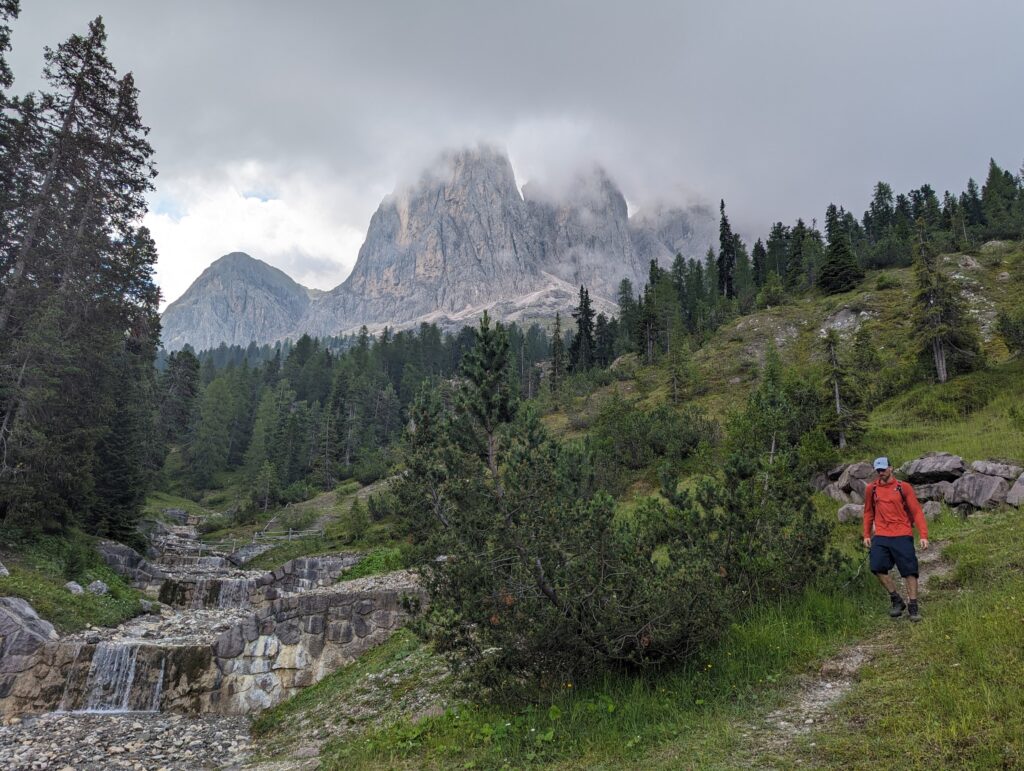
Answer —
(90, 407)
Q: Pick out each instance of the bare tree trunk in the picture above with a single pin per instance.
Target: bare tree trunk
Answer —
(939, 354)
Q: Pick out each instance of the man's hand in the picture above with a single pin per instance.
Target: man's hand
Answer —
(924, 544)
(867, 543)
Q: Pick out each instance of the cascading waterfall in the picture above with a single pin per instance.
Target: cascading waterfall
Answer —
(199, 594)
(111, 673)
(234, 593)
(119, 682)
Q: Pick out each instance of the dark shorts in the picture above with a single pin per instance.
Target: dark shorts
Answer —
(887, 551)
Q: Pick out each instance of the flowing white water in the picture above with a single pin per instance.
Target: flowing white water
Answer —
(111, 673)
(234, 593)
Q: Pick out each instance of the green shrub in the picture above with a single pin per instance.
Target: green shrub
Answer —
(347, 488)
(885, 281)
(1011, 328)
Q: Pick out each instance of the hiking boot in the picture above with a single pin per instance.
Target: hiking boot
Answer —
(898, 606)
(915, 614)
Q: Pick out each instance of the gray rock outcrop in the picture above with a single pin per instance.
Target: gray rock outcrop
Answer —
(98, 588)
(22, 633)
(979, 490)
(236, 300)
(1007, 471)
(936, 491)
(934, 467)
(931, 509)
(851, 512)
(1015, 497)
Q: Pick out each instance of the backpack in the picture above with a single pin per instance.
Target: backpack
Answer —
(903, 497)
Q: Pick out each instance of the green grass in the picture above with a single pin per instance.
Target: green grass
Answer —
(158, 501)
(617, 721)
(382, 559)
(376, 687)
(978, 423)
(39, 572)
(945, 693)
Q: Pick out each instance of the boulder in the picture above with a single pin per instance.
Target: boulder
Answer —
(1007, 471)
(74, 587)
(936, 491)
(1016, 495)
(979, 490)
(851, 512)
(934, 467)
(819, 482)
(21, 629)
(856, 497)
(98, 588)
(931, 509)
(855, 477)
(3, 571)
(836, 472)
(836, 493)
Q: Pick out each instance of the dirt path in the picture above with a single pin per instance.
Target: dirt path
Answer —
(811, 705)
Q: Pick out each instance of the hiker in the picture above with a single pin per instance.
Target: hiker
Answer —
(891, 510)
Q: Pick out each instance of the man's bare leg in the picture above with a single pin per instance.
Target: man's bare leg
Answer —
(911, 587)
(886, 580)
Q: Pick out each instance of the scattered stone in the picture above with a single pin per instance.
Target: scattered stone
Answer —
(1015, 497)
(967, 262)
(98, 588)
(851, 512)
(836, 493)
(1007, 471)
(996, 247)
(3, 571)
(932, 509)
(934, 467)
(980, 490)
(936, 491)
(1003, 276)
(74, 587)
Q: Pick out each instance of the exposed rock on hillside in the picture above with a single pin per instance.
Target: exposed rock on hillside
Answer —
(235, 300)
(460, 241)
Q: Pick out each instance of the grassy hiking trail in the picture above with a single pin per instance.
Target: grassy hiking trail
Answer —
(824, 680)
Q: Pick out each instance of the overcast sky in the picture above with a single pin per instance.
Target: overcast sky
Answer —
(279, 126)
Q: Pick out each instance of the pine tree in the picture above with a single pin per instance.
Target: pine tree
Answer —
(759, 256)
(485, 397)
(998, 202)
(794, 278)
(845, 419)
(941, 321)
(679, 362)
(839, 270)
(581, 351)
(726, 256)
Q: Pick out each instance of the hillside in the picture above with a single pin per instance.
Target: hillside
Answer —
(735, 708)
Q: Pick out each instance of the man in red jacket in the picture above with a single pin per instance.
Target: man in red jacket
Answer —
(891, 511)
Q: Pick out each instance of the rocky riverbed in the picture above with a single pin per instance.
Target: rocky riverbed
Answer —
(150, 741)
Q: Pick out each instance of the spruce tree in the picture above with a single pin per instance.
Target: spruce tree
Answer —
(794, 278)
(942, 325)
(759, 257)
(845, 418)
(839, 270)
(726, 256)
(557, 371)
(581, 351)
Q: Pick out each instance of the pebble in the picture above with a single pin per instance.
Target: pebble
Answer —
(97, 742)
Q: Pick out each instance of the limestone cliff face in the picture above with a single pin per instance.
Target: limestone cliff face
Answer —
(236, 300)
(585, 233)
(460, 241)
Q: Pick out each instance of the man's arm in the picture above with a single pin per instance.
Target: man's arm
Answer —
(869, 513)
(917, 513)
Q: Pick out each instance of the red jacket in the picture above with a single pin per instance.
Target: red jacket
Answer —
(884, 508)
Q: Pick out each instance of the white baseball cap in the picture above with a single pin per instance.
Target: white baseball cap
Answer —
(881, 463)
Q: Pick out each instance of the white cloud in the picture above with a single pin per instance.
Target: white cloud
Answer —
(310, 229)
